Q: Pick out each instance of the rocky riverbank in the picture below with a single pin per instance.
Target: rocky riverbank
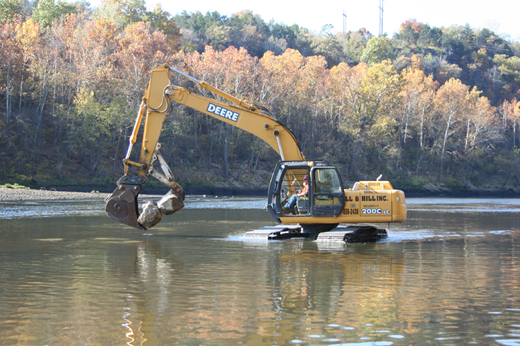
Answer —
(23, 194)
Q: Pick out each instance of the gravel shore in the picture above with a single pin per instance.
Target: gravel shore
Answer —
(20, 194)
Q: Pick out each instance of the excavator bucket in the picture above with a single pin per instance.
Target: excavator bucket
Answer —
(122, 205)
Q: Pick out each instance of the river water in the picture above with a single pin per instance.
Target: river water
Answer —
(449, 275)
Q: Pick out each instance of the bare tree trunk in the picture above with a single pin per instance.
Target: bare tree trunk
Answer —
(8, 107)
(59, 164)
(211, 140)
(20, 98)
(466, 144)
(45, 92)
(117, 150)
(514, 132)
(355, 153)
(250, 165)
(241, 171)
(226, 149)
(448, 124)
(420, 151)
(402, 155)
(421, 140)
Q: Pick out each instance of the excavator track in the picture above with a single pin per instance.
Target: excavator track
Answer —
(344, 234)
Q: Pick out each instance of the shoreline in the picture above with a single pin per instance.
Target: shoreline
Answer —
(80, 193)
(21, 194)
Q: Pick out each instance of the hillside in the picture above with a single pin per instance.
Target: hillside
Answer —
(427, 106)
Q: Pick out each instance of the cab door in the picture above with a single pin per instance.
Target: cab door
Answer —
(327, 196)
(286, 180)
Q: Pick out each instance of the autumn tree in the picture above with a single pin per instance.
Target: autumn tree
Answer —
(294, 87)
(10, 67)
(140, 49)
(509, 113)
(90, 128)
(367, 94)
(417, 96)
(481, 127)
(450, 103)
(311, 91)
(95, 48)
(231, 71)
(278, 79)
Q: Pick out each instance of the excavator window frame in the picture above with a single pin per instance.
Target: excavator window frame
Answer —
(281, 188)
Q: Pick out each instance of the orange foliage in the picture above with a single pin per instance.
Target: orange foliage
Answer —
(416, 26)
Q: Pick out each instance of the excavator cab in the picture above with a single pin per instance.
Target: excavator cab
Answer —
(325, 195)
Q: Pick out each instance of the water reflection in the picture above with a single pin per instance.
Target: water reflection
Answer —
(440, 278)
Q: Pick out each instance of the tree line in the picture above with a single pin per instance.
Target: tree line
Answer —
(428, 105)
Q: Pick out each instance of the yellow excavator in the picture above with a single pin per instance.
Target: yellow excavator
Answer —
(315, 214)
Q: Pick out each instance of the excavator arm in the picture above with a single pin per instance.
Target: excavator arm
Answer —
(122, 205)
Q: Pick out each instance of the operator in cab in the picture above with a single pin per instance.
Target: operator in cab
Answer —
(301, 193)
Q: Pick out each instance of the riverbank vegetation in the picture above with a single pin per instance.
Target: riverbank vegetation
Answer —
(429, 106)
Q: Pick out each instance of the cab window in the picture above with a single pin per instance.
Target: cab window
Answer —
(293, 181)
(327, 187)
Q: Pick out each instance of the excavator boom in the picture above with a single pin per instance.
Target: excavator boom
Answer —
(122, 205)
